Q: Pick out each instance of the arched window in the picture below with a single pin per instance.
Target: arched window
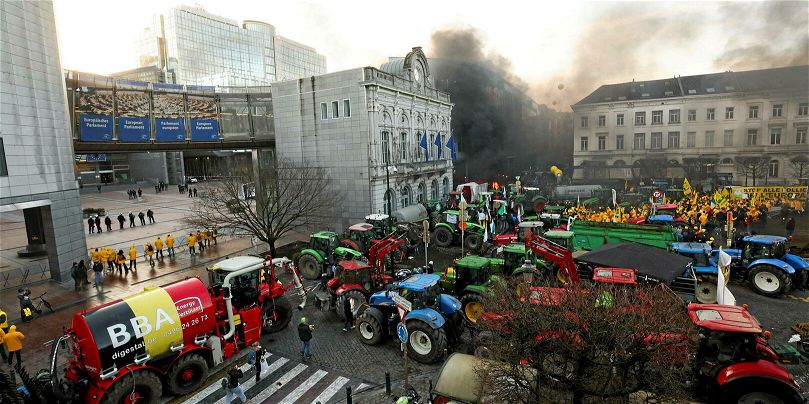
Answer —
(390, 202)
(406, 197)
(421, 195)
(726, 161)
(619, 163)
(434, 190)
(385, 147)
(445, 188)
(774, 168)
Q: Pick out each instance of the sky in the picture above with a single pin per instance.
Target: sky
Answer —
(547, 42)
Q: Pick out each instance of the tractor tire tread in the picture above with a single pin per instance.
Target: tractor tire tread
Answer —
(123, 386)
(177, 367)
(439, 342)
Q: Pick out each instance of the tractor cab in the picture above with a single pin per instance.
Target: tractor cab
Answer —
(514, 256)
(353, 273)
(361, 236)
(699, 252)
(382, 224)
(453, 200)
(563, 238)
(469, 270)
(244, 288)
(731, 335)
(422, 290)
(762, 246)
(533, 227)
(324, 242)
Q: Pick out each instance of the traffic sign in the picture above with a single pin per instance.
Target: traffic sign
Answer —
(657, 194)
(463, 226)
(402, 313)
(402, 302)
(401, 331)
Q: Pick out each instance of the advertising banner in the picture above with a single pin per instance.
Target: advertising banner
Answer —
(133, 129)
(169, 129)
(167, 87)
(95, 128)
(794, 192)
(204, 130)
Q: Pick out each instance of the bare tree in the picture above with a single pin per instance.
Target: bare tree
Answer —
(800, 166)
(287, 196)
(588, 341)
(752, 167)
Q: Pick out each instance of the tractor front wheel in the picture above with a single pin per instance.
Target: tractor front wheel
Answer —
(706, 288)
(355, 299)
(472, 306)
(139, 386)
(473, 242)
(309, 266)
(443, 237)
(369, 329)
(425, 344)
(768, 280)
(275, 315)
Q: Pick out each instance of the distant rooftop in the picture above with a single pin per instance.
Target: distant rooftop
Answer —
(786, 78)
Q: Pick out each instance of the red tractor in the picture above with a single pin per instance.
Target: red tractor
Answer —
(362, 236)
(130, 349)
(355, 280)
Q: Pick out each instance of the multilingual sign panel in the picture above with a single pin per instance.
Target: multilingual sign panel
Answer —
(204, 130)
(133, 129)
(95, 128)
(169, 129)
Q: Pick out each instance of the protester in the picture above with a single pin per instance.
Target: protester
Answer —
(83, 273)
(121, 221)
(192, 242)
(149, 251)
(790, 227)
(170, 245)
(13, 342)
(24, 296)
(254, 356)
(110, 254)
(214, 234)
(133, 258)
(158, 246)
(98, 269)
(3, 329)
(305, 335)
(200, 242)
(349, 314)
(232, 385)
(77, 276)
(120, 262)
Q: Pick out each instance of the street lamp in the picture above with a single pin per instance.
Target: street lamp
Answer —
(388, 196)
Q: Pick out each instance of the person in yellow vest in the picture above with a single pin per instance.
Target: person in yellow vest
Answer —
(214, 235)
(133, 258)
(192, 242)
(120, 262)
(95, 255)
(13, 341)
(110, 256)
(200, 242)
(158, 246)
(207, 234)
(149, 251)
(3, 329)
(170, 245)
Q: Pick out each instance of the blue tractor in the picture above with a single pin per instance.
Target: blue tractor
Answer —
(763, 261)
(704, 267)
(434, 321)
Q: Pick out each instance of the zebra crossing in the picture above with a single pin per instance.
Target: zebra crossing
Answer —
(287, 382)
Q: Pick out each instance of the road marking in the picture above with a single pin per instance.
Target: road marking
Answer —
(213, 387)
(360, 387)
(276, 385)
(330, 391)
(304, 387)
(252, 380)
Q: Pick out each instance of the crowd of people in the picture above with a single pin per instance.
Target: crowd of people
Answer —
(94, 222)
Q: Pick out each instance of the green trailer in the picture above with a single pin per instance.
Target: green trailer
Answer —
(591, 235)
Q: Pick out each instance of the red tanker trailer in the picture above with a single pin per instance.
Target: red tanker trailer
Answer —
(129, 349)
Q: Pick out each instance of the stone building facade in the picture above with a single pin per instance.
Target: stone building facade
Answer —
(366, 126)
(697, 126)
(36, 170)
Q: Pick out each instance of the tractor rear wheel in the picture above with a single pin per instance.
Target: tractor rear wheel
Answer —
(425, 344)
(187, 374)
(472, 306)
(355, 299)
(309, 266)
(275, 315)
(706, 288)
(443, 237)
(146, 388)
(473, 242)
(768, 280)
(369, 329)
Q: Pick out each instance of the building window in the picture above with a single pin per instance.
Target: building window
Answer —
(775, 135)
(727, 161)
(584, 122)
(619, 142)
(777, 110)
(385, 147)
(691, 139)
(692, 115)
(729, 113)
(674, 140)
(434, 190)
(390, 202)
(674, 116)
(657, 117)
(430, 146)
(800, 136)
(602, 121)
(602, 143)
(4, 167)
(803, 109)
(346, 108)
(445, 187)
(404, 146)
(405, 199)
(324, 111)
(640, 118)
(421, 193)
(657, 141)
(728, 137)
(710, 114)
(335, 109)
(752, 137)
(752, 113)
(619, 119)
(583, 144)
(640, 141)
(709, 134)
(774, 168)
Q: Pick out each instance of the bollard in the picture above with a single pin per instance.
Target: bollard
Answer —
(348, 395)
(387, 383)
(430, 391)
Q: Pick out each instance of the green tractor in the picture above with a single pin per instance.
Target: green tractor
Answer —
(447, 231)
(323, 250)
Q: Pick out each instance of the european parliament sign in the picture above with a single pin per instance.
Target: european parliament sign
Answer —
(95, 128)
(169, 129)
(133, 129)
(204, 130)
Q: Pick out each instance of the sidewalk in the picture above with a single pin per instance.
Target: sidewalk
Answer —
(66, 302)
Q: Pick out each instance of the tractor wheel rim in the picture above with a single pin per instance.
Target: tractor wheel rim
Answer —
(421, 342)
(473, 310)
(188, 375)
(767, 282)
(706, 292)
(269, 318)
(366, 331)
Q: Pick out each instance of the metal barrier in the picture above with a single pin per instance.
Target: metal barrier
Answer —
(11, 277)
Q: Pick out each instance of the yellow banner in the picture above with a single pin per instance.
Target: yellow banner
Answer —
(795, 192)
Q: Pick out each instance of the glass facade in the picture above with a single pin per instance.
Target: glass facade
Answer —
(295, 60)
